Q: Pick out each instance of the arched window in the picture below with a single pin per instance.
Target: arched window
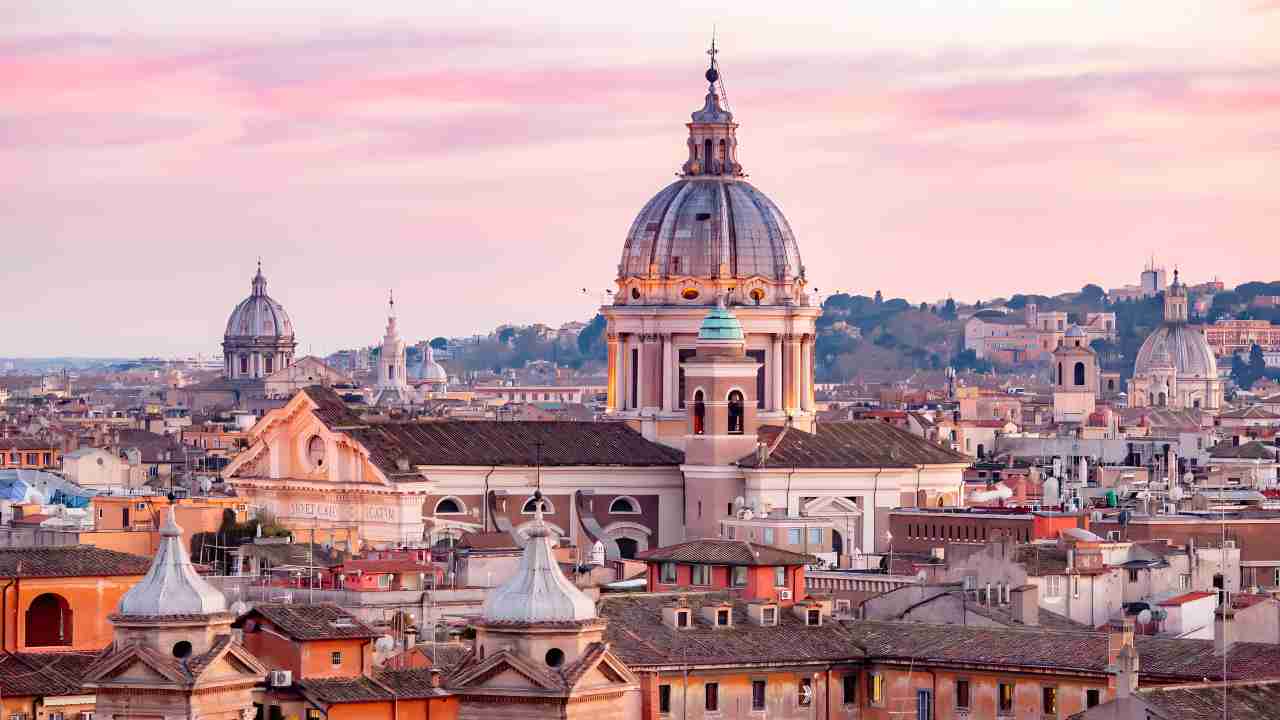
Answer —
(735, 412)
(449, 505)
(699, 413)
(1079, 378)
(1061, 379)
(244, 364)
(1111, 385)
(270, 364)
(723, 158)
(547, 507)
(706, 157)
(1162, 399)
(627, 548)
(624, 506)
(49, 621)
(982, 452)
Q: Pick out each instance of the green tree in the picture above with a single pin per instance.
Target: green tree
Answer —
(1093, 294)
(591, 341)
(949, 310)
(439, 343)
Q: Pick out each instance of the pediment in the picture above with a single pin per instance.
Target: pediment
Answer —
(831, 505)
(509, 672)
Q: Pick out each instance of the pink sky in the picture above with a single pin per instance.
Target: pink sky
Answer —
(484, 161)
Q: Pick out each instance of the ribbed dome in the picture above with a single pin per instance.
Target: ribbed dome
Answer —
(431, 370)
(259, 316)
(699, 223)
(1183, 346)
(538, 592)
(172, 586)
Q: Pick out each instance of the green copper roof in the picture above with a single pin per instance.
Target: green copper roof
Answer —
(721, 324)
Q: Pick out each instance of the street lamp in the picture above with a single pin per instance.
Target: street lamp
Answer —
(888, 536)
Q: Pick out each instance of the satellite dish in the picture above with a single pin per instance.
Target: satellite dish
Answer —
(1144, 617)
(384, 644)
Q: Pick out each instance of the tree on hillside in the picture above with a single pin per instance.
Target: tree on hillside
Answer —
(1093, 294)
(969, 360)
(439, 343)
(879, 297)
(591, 341)
(949, 310)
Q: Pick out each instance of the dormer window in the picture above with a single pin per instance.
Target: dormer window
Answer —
(722, 618)
(769, 616)
(813, 617)
(682, 618)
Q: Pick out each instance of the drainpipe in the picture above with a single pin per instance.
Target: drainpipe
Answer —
(875, 491)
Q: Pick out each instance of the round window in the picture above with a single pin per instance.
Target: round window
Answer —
(555, 657)
(757, 294)
(689, 294)
(181, 649)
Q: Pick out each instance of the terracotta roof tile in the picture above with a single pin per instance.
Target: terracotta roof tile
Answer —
(725, 552)
(309, 622)
(483, 442)
(638, 636)
(69, 561)
(855, 444)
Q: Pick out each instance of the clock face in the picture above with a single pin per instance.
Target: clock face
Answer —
(315, 451)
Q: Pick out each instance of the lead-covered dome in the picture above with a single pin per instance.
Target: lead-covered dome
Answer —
(710, 231)
(172, 586)
(1180, 345)
(259, 316)
(538, 592)
(700, 225)
(430, 370)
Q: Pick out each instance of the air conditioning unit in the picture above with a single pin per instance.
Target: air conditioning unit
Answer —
(784, 594)
(281, 678)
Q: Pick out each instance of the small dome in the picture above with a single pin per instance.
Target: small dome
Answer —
(259, 316)
(720, 325)
(172, 586)
(430, 370)
(1182, 347)
(538, 592)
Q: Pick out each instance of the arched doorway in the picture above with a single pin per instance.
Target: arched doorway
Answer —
(627, 548)
(837, 543)
(49, 621)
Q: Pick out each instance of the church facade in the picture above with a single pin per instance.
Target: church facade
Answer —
(711, 402)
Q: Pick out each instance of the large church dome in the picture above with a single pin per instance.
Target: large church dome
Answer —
(710, 232)
(259, 316)
(699, 225)
(1184, 346)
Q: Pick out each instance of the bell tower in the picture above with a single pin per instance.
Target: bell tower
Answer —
(720, 394)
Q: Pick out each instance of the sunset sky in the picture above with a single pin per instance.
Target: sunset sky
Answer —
(485, 159)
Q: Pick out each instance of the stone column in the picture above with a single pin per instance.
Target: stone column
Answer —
(806, 373)
(668, 377)
(775, 373)
(615, 374)
(791, 373)
(650, 371)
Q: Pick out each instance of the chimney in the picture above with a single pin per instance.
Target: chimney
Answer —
(1119, 636)
(1223, 629)
(1125, 669)
(1026, 605)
